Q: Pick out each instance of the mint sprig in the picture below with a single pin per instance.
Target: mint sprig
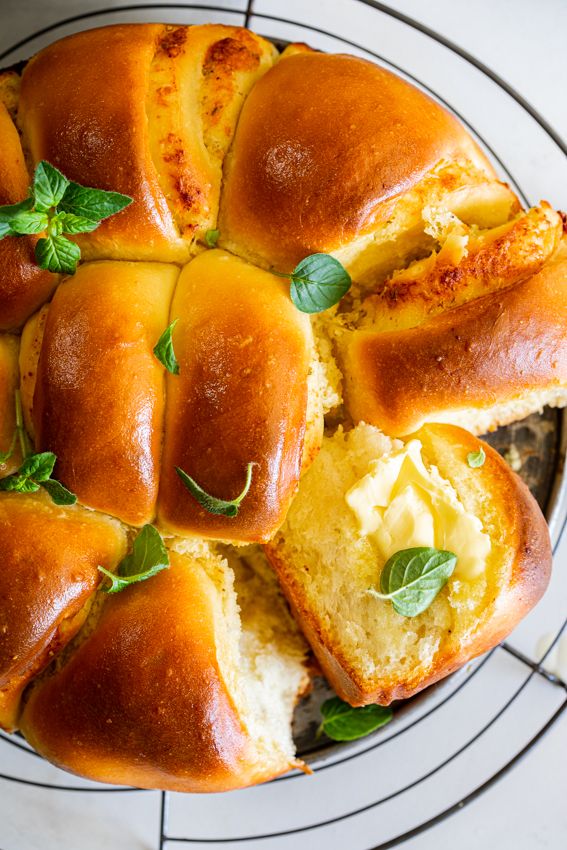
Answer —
(35, 472)
(212, 504)
(148, 557)
(57, 206)
(342, 722)
(412, 578)
(211, 238)
(476, 459)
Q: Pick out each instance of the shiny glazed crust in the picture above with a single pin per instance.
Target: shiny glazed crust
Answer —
(23, 286)
(155, 127)
(323, 147)
(143, 701)
(525, 545)
(244, 353)
(99, 395)
(494, 349)
(49, 572)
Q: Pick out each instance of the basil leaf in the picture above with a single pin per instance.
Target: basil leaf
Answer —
(164, 352)
(476, 459)
(39, 466)
(211, 503)
(342, 722)
(71, 223)
(412, 578)
(29, 222)
(148, 557)
(18, 483)
(49, 186)
(59, 494)
(57, 254)
(92, 204)
(318, 282)
(211, 238)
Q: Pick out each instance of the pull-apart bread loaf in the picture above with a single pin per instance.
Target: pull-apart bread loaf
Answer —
(457, 313)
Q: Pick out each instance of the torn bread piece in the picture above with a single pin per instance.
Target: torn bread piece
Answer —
(186, 682)
(367, 497)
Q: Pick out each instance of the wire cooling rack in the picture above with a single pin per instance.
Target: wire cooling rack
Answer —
(516, 677)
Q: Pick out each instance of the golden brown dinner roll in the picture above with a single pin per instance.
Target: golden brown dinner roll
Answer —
(99, 394)
(244, 355)
(325, 148)
(485, 363)
(366, 497)
(23, 286)
(9, 378)
(49, 573)
(147, 110)
(158, 693)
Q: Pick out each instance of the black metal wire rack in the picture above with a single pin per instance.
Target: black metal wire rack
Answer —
(533, 669)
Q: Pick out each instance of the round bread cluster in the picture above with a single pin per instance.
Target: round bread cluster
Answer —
(242, 161)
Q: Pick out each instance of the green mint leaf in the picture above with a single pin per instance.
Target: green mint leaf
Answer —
(57, 254)
(148, 557)
(412, 578)
(29, 222)
(211, 503)
(4, 456)
(318, 282)
(18, 484)
(38, 467)
(49, 186)
(342, 722)
(9, 212)
(164, 352)
(71, 223)
(211, 238)
(476, 459)
(59, 494)
(92, 204)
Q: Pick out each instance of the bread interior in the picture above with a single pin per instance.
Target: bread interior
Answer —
(321, 555)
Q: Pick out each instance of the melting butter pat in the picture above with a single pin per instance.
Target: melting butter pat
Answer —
(400, 504)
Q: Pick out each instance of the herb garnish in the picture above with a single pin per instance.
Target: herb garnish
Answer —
(56, 206)
(317, 283)
(35, 472)
(476, 459)
(412, 578)
(148, 557)
(164, 352)
(211, 503)
(342, 722)
(211, 238)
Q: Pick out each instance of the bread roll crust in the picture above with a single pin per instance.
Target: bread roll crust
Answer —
(23, 286)
(526, 551)
(143, 700)
(9, 378)
(497, 348)
(244, 354)
(97, 351)
(323, 147)
(49, 572)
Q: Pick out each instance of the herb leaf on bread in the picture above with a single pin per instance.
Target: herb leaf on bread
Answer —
(318, 282)
(210, 503)
(35, 472)
(476, 459)
(57, 206)
(164, 352)
(148, 557)
(412, 578)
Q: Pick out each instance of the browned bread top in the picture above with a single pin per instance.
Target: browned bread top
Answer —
(323, 147)
(49, 572)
